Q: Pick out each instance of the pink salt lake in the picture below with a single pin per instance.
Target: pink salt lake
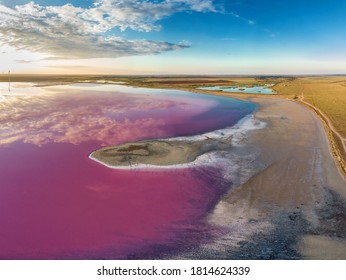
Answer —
(56, 203)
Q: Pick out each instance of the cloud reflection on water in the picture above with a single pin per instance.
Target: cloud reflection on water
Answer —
(77, 116)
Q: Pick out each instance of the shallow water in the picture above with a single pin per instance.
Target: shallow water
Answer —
(253, 90)
(56, 203)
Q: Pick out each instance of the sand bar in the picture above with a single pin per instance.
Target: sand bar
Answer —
(155, 152)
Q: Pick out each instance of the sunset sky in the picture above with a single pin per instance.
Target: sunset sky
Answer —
(173, 36)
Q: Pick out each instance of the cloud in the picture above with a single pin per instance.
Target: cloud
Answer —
(67, 66)
(23, 61)
(141, 15)
(249, 21)
(73, 32)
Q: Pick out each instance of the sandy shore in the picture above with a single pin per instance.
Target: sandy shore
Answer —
(294, 206)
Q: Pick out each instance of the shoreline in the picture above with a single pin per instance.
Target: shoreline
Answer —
(293, 207)
(330, 131)
(335, 150)
(293, 204)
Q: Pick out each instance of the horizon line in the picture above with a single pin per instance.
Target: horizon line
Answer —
(172, 75)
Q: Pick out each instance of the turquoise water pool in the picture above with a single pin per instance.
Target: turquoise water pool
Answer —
(252, 90)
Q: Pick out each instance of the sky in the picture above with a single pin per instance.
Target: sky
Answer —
(178, 37)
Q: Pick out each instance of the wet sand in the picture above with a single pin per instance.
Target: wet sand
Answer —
(294, 206)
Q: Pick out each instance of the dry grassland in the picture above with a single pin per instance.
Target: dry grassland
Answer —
(327, 97)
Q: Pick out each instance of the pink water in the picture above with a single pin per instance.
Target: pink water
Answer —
(56, 203)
